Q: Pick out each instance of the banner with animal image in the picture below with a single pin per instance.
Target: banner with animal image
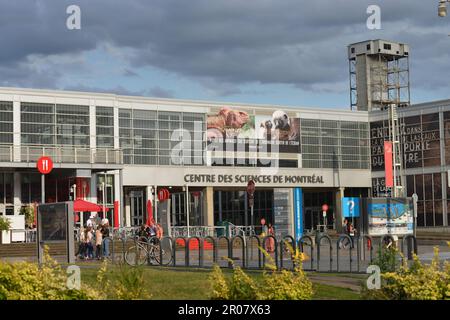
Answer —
(277, 132)
(279, 129)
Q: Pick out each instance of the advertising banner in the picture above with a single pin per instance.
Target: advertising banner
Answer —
(420, 140)
(390, 216)
(279, 129)
(277, 133)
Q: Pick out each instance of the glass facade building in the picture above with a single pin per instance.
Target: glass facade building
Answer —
(119, 150)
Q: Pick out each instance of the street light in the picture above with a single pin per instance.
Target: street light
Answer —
(442, 8)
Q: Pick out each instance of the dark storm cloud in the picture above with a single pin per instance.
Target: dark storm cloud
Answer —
(224, 43)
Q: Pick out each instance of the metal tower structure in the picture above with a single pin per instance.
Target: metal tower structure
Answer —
(379, 80)
(379, 75)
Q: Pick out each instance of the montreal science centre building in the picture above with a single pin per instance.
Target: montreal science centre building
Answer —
(190, 161)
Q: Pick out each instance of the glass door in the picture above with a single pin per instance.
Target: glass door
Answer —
(137, 207)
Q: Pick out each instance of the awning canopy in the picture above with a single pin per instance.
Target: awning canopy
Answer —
(83, 206)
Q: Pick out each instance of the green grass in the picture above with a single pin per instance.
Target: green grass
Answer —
(326, 292)
(193, 284)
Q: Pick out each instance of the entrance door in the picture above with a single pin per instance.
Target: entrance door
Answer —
(137, 207)
(314, 219)
(178, 211)
(179, 216)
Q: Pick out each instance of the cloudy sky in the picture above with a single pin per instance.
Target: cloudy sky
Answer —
(284, 52)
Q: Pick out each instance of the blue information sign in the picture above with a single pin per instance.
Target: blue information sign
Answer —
(350, 207)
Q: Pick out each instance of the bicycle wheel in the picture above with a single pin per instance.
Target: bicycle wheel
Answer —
(166, 255)
(136, 255)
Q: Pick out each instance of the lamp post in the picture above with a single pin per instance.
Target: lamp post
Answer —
(442, 8)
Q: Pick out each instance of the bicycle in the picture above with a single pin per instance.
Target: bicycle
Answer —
(148, 250)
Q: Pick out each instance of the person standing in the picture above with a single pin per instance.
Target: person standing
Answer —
(265, 229)
(105, 237)
(98, 242)
(351, 232)
(270, 241)
(88, 240)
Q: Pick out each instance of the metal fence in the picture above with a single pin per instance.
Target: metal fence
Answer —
(322, 254)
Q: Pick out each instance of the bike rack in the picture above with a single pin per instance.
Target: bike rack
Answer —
(161, 248)
(174, 252)
(243, 248)
(258, 240)
(369, 242)
(319, 240)
(339, 241)
(275, 248)
(283, 244)
(215, 249)
(230, 264)
(311, 251)
(200, 251)
(406, 241)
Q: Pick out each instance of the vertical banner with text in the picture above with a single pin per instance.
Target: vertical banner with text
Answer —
(298, 213)
(388, 168)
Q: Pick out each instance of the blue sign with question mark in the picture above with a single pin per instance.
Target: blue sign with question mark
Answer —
(350, 207)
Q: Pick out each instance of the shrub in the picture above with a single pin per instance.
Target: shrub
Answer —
(123, 283)
(28, 281)
(388, 259)
(5, 224)
(219, 285)
(275, 285)
(416, 282)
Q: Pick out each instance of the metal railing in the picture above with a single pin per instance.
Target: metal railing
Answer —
(245, 231)
(198, 231)
(77, 155)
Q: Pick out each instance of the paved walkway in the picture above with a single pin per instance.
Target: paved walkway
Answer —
(348, 282)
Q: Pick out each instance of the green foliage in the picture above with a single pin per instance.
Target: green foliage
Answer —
(28, 281)
(417, 281)
(387, 259)
(28, 212)
(5, 224)
(123, 283)
(275, 285)
(219, 285)
(242, 286)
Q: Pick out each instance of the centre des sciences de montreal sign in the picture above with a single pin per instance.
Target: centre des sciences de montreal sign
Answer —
(259, 179)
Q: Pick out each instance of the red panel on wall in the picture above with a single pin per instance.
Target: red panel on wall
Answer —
(388, 168)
